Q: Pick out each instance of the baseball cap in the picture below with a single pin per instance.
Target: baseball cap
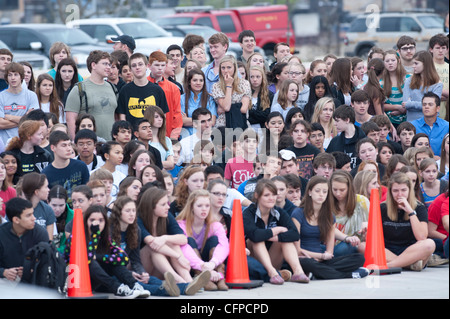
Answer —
(287, 155)
(126, 39)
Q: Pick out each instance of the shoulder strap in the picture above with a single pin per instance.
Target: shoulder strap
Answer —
(82, 94)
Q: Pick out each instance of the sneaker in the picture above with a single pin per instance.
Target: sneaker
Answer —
(198, 283)
(126, 293)
(436, 260)
(142, 292)
(361, 272)
(170, 285)
(417, 266)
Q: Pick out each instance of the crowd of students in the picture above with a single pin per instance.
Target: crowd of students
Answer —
(155, 149)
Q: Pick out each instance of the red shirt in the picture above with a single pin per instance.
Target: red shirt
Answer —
(174, 121)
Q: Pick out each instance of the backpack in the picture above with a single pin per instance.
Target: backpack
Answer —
(45, 266)
(83, 95)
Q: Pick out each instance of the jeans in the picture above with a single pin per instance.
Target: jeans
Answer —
(343, 249)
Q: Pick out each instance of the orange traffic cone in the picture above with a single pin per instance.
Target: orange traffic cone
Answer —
(237, 267)
(375, 254)
(79, 281)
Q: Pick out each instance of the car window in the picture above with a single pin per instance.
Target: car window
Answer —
(409, 25)
(358, 25)
(102, 30)
(9, 38)
(176, 32)
(68, 36)
(390, 24)
(24, 38)
(431, 22)
(174, 21)
(204, 21)
(140, 30)
(226, 24)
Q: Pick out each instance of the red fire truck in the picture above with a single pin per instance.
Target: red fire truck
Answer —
(270, 23)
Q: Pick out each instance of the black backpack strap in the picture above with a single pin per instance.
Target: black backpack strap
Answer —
(82, 95)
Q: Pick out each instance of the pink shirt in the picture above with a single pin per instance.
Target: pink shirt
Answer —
(220, 253)
(6, 196)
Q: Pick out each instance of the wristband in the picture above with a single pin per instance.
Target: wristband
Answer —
(413, 213)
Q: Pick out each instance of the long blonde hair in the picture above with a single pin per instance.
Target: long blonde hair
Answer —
(187, 214)
(264, 89)
(320, 104)
(229, 58)
(392, 206)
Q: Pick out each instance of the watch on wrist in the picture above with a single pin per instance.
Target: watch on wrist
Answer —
(413, 213)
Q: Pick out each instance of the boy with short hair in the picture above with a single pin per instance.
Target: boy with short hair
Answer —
(271, 165)
(405, 132)
(143, 132)
(157, 64)
(15, 101)
(324, 165)
(350, 134)
(305, 153)
(85, 141)
(294, 189)
(17, 237)
(384, 123)
(372, 130)
(406, 47)
(240, 168)
(64, 170)
(439, 48)
(122, 131)
(218, 47)
(6, 58)
(360, 103)
(343, 161)
(247, 41)
(317, 136)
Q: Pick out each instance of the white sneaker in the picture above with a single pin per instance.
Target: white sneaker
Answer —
(126, 293)
(142, 292)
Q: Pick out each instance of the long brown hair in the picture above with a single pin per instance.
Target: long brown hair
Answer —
(340, 74)
(188, 90)
(375, 68)
(392, 206)
(400, 74)
(132, 229)
(342, 176)
(55, 104)
(429, 75)
(325, 219)
(147, 205)
(181, 190)
(149, 114)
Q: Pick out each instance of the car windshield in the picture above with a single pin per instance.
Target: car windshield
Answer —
(206, 33)
(431, 22)
(175, 21)
(71, 37)
(140, 30)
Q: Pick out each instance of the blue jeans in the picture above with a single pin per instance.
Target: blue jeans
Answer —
(344, 249)
(156, 288)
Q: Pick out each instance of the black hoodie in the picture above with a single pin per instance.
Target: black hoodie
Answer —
(347, 145)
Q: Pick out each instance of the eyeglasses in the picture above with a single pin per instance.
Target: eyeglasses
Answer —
(219, 194)
(297, 73)
(410, 48)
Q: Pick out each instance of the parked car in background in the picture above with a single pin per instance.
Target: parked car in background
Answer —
(148, 36)
(206, 32)
(270, 23)
(420, 26)
(38, 38)
(37, 61)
